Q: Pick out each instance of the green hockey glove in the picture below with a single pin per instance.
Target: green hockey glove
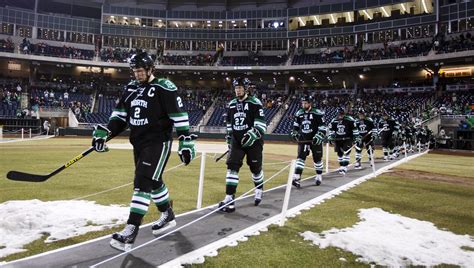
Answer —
(318, 138)
(186, 149)
(294, 135)
(250, 137)
(99, 137)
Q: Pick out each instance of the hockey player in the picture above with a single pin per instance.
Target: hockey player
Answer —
(309, 129)
(150, 107)
(344, 132)
(245, 129)
(368, 134)
(388, 129)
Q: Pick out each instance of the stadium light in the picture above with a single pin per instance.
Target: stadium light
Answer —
(316, 20)
(276, 24)
(403, 7)
(385, 12)
(301, 21)
(423, 2)
(333, 19)
(348, 16)
(361, 76)
(292, 78)
(367, 14)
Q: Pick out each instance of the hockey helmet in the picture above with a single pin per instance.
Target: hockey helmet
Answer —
(307, 98)
(141, 60)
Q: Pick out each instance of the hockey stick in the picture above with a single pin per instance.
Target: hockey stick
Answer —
(22, 176)
(222, 155)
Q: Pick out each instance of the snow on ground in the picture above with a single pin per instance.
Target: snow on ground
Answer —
(395, 241)
(27, 220)
(218, 148)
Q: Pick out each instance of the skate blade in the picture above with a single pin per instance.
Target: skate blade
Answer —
(120, 246)
(357, 167)
(168, 226)
(227, 209)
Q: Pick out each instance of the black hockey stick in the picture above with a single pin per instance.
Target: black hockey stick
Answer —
(222, 155)
(22, 176)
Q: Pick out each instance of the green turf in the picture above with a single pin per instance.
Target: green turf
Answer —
(446, 205)
(102, 172)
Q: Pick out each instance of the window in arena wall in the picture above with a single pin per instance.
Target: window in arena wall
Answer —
(146, 43)
(7, 28)
(470, 23)
(116, 41)
(48, 34)
(24, 31)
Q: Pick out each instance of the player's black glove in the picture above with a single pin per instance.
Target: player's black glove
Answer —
(250, 137)
(186, 149)
(99, 137)
(294, 135)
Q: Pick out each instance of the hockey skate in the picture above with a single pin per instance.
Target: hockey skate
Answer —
(357, 165)
(318, 179)
(258, 196)
(342, 170)
(296, 180)
(227, 205)
(124, 239)
(296, 183)
(165, 222)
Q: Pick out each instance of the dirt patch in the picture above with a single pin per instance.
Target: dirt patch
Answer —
(423, 175)
(452, 152)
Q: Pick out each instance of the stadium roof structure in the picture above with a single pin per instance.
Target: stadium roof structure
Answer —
(208, 5)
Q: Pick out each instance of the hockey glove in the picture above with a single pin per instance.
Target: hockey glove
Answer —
(186, 149)
(375, 134)
(294, 135)
(357, 139)
(99, 137)
(318, 138)
(250, 137)
(228, 139)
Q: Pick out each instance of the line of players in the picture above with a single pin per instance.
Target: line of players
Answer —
(348, 131)
(246, 127)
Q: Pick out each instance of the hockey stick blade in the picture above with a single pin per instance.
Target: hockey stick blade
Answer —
(22, 176)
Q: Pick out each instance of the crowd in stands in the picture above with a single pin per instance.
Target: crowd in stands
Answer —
(7, 45)
(79, 103)
(391, 51)
(454, 43)
(198, 60)
(43, 49)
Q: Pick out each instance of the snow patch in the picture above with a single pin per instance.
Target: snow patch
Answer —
(395, 241)
(25, 221)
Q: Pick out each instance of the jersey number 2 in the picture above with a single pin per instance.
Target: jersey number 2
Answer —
(137, 112)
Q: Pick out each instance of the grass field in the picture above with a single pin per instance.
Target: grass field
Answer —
(101, 172)
(448, 203)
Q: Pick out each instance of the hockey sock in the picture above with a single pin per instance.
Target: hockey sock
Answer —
(346, 159)
(138, 207)
(318, 166)
(161, 198)
(385, 151)
(231, 182)
(299, 166)
(258, 179)
(340, 159)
